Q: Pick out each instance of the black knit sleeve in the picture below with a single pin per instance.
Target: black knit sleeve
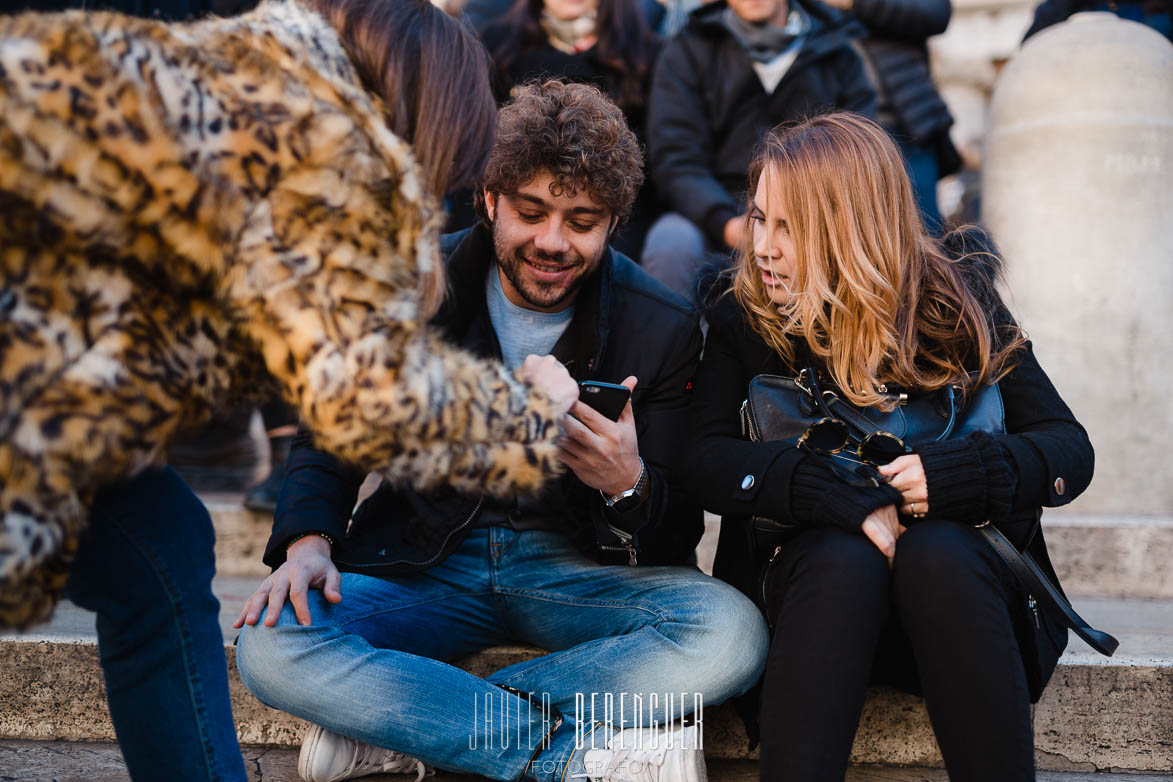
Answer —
(817, 496)
(969, 480)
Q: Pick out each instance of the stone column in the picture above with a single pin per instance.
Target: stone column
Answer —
(1078, 191)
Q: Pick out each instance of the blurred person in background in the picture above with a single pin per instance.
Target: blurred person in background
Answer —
(907, 102)
(163, 10)
(1157, 14)
(737, 69)
(482, 13)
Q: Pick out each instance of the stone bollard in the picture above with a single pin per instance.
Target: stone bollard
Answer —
(1077, 188)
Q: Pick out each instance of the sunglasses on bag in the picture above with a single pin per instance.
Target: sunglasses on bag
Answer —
(830, 437)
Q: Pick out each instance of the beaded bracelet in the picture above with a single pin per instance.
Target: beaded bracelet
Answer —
(295, 538)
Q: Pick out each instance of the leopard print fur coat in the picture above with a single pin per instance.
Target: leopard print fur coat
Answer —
(187, 211)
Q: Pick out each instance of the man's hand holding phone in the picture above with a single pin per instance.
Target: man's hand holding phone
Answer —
(604, 454)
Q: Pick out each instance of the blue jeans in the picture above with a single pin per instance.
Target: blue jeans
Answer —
(145, 566)
(675, 252)
(377, 666)
(921, 162)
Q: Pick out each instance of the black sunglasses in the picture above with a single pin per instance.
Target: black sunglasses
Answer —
(830, 437)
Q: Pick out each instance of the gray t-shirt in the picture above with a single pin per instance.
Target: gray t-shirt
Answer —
(521, 332)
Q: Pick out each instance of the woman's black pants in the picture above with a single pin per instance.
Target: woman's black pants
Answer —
(938, 623)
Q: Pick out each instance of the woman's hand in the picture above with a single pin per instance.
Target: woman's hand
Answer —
(546, 374)
(907, 476)
(883, 527)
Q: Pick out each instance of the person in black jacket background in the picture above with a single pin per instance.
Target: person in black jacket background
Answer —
(738, 68)
(908, 103)
(888, 584)
(164, 10)
(1157, 14)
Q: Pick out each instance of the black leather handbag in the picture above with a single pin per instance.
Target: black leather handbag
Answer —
(780, 408)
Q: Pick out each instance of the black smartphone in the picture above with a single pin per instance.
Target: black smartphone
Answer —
(608, 398)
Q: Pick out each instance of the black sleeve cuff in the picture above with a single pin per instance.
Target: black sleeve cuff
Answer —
(968, 480)
(819, 497)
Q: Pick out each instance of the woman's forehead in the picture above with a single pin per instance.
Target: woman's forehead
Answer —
(770, 190)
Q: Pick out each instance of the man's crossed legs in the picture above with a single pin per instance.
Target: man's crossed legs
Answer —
(376, 667)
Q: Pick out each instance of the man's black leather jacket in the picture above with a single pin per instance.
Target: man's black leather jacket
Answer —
(625, 323)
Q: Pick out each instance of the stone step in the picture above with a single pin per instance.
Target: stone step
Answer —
(1094, 555)
(61, 761)
(1097, 714)
(1111, 556)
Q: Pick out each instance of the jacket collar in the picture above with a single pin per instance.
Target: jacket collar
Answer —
(464, 317)
(830, 28)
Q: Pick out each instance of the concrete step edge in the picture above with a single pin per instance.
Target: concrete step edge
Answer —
(1092, 717)
(36, 761)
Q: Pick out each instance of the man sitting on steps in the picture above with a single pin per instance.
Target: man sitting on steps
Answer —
(594, 569)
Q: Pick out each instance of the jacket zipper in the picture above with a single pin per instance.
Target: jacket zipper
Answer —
(747, 422)
(626, 537)
(1034, 609)
(471, 517)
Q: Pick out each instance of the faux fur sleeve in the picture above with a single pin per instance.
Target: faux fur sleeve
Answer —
(332, 299)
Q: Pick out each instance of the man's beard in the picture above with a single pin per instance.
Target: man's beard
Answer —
(512, 262)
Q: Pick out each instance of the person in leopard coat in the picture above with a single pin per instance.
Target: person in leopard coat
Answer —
(190, 212)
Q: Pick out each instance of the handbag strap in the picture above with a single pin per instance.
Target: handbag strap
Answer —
(832, 406)
(1036, 583)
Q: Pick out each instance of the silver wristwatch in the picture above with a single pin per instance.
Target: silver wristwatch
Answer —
(625, 500)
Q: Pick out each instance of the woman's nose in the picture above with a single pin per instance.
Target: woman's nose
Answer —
(763, 247)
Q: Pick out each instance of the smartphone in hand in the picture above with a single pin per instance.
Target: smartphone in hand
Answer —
(607, 398)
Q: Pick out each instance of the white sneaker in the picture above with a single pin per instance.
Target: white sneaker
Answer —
(327, 756)
(648, 755)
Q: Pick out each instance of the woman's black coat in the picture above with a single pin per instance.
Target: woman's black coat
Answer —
(1047, 451)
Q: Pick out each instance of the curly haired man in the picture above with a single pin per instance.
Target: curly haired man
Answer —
(593, 569)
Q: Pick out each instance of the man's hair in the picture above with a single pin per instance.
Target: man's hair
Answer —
(572, 131)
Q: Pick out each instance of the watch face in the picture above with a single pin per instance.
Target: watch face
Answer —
(633, 496)
(626, 504)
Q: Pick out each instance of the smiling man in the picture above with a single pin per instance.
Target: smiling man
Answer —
(596, 569)
(543, 257)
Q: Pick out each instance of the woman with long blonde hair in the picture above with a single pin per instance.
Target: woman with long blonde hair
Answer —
(887, 583)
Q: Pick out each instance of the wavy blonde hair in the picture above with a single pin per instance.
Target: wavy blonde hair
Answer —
(876, 298)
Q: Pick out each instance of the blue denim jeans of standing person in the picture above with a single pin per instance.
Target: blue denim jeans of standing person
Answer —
(145, 566)
(921, 162)
(376, 667)
(675, 253)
